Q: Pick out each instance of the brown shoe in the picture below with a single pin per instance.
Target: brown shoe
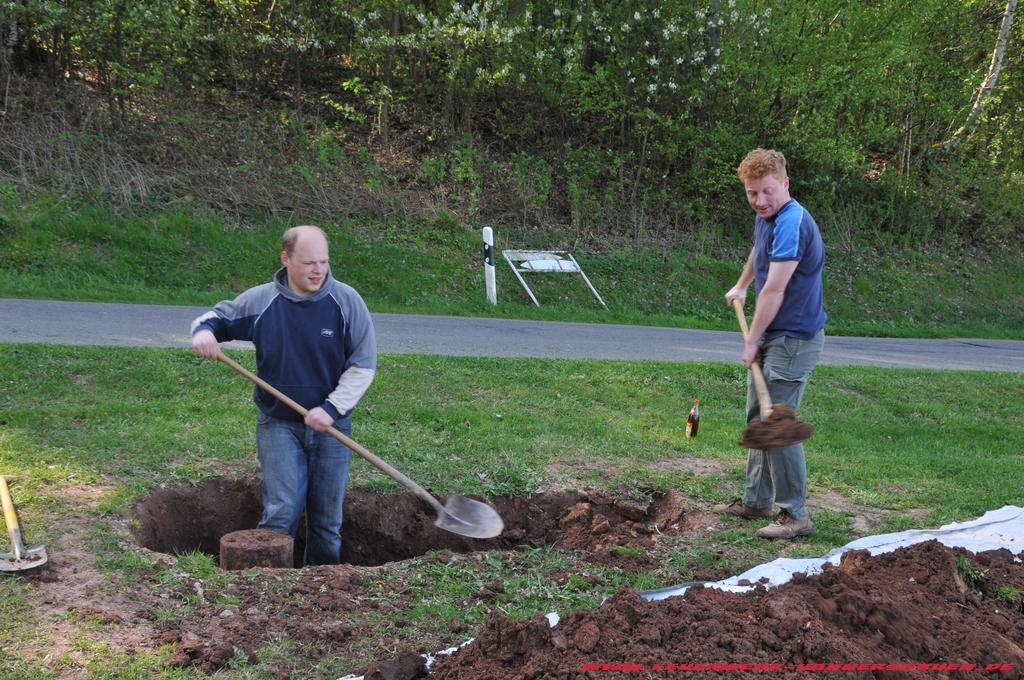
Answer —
(786, 526)
(737, 508)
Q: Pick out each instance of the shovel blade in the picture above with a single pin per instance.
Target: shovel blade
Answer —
(471, 518)
(32, 557)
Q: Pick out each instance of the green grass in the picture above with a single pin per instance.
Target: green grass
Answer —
(947, 442)
(918, 448)
(53, 247)
(1008, 594)
(973, 578)
(898, 439)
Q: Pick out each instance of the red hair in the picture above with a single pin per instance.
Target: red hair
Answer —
(760, 163)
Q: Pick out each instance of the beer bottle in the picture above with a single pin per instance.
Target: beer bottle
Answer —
(693, 420)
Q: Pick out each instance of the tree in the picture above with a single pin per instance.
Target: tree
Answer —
(8, 39)
(989, 83)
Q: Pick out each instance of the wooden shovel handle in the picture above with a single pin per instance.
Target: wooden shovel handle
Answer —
(11, 519)
(764, 398)
(334, 432)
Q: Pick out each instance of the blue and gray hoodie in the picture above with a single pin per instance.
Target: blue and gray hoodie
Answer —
(319, 350)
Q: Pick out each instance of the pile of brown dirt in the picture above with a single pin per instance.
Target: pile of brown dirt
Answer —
(598, 523)
(780, 428)
(306, 605)
(907, 607)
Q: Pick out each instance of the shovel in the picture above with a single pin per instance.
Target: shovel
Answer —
(460, 515)
(21, 558)
(779, 425)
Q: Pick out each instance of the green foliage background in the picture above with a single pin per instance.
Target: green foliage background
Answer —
(618, 120)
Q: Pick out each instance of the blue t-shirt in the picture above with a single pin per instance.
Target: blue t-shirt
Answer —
(792, 234)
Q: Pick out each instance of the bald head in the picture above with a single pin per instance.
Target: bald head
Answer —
(304, 256)
(291, 237)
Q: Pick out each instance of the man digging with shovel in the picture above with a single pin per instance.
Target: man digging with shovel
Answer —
(314, 338)
(786, 337)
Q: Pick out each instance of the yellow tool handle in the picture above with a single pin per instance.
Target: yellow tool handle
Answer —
(11, 519)
(764, 398)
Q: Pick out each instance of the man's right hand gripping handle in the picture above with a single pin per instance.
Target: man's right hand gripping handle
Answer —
(205, 344)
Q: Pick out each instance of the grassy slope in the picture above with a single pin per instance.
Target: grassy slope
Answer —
(51, 248)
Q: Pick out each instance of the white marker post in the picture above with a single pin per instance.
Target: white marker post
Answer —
(492, 290)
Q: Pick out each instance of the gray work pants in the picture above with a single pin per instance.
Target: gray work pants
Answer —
(780, 475)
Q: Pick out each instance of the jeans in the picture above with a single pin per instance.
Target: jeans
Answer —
(780, 475)
(303, 469)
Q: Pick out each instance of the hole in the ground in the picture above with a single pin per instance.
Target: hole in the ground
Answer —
(381, 528)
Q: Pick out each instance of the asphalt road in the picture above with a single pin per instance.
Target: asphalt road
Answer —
(92, 323)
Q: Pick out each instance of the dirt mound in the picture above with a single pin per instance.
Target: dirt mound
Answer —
(894, 613)
(597, 523)
(305, 605)
(406, 666)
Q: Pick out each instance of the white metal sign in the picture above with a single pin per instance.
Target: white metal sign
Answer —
(523, 261)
